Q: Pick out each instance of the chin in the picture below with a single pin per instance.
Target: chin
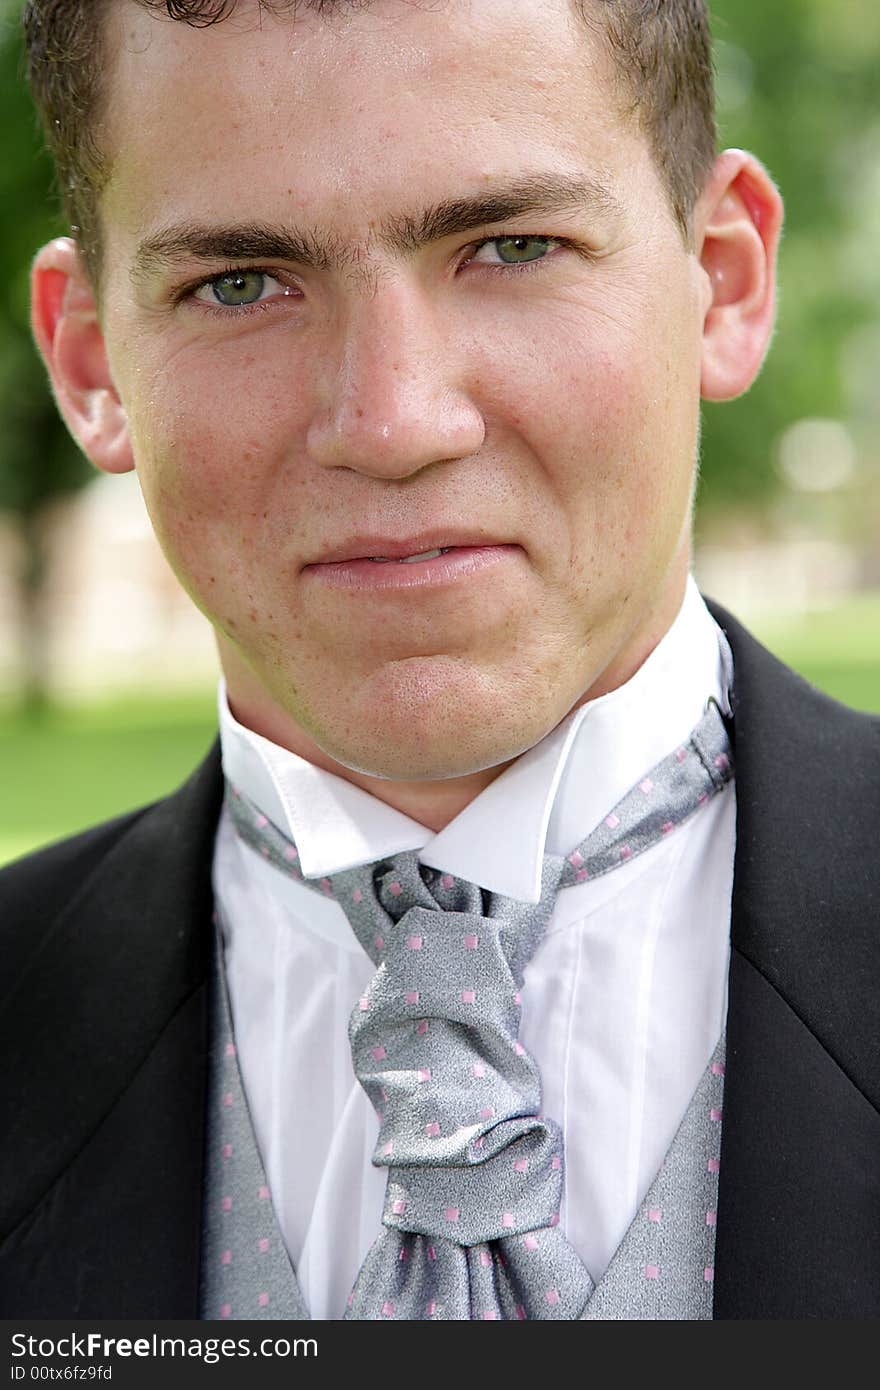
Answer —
(407, 743)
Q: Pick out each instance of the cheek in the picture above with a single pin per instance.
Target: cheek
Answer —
(212, 453)
(615, 428)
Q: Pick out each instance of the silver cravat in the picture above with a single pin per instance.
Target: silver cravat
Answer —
(475, 1171)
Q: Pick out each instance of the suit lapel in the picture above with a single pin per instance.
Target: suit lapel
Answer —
(107, 1199)
(799, 1201)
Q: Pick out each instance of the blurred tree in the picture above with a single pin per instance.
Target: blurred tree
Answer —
(798, 85)
(38, 461)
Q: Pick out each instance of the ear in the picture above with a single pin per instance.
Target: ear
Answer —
(64, 319)
(737, 226)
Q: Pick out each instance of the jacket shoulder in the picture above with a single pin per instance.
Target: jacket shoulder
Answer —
(153, 858)
(786, 700)
(37, 887)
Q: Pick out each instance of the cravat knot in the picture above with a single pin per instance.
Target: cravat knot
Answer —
(475, 1171)
(403, 883)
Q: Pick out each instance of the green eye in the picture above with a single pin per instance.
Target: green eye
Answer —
(237, 288)
(513, 250)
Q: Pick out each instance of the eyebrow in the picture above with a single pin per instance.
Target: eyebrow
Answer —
(405, 234)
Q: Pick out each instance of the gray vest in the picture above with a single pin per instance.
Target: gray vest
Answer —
(662, 1269)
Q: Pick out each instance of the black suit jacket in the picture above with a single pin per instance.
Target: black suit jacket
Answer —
(106, 956)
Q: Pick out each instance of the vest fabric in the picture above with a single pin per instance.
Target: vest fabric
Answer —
(245, 1270)
(663, 1268)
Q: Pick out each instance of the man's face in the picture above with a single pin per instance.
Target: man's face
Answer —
(333, 342)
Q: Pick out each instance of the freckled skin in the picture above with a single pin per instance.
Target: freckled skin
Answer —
(555, 410)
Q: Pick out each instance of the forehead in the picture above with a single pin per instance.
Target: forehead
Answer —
(348, 114)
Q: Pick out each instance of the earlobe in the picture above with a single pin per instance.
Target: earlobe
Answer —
(737, 226)
(64, 318)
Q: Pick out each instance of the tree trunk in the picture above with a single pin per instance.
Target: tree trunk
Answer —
(34, 615)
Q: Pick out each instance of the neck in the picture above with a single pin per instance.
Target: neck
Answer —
(432, 802)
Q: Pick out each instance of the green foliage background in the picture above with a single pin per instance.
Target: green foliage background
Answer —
(799, 84)
(37, 460)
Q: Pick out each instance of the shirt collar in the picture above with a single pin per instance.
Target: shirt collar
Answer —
(548, 800)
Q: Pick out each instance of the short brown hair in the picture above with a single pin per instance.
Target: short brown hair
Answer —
(661, 48)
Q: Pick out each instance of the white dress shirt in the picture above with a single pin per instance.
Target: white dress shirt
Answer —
(623, 1002)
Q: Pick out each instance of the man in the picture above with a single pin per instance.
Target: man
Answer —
(403, 315)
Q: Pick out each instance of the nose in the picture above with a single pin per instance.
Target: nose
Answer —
(391, 397)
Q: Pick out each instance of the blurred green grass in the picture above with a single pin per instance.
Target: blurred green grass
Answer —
(75, 766)
(79, 765)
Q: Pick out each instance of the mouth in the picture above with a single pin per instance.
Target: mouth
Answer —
(409, 559)
(418, 548)
(380, 565)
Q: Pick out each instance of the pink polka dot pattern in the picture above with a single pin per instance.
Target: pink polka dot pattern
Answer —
(246, 1273)
(470, 1146)
(664, 1267)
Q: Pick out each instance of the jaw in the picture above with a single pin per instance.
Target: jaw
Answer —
(439, 718)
